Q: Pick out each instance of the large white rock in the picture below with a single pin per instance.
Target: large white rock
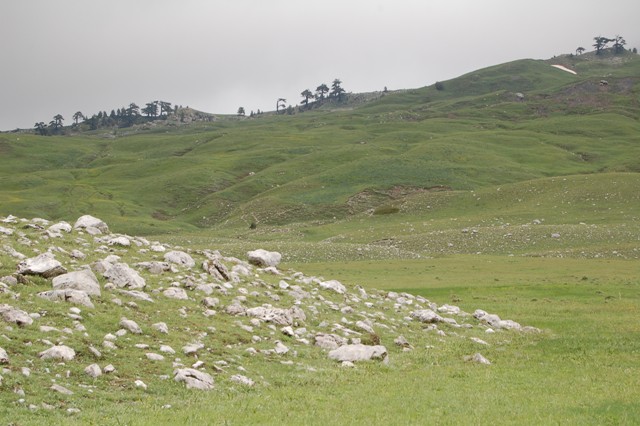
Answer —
(14, 315)
(334, 285)
(88, 221)
(120, 241)
(179, 258)
(44, 265)
(242, 380)
(130, 325)
(264, 258)
(358, 352)
(426, 315)
(275, 315)
(58, 352)
(194, 379)
(495, 321)
(84, 280)
(60, 227)
(176, 293)
(6, 231)
(67, 295)
(329, 341)
(93, 370)
(4, 357)
(122, 275)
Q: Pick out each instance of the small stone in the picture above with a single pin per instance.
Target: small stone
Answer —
(93, 370)
(61, 389)
(243, 380)
(161, 327)
(140, 384)
(154, 357)
(130, 325)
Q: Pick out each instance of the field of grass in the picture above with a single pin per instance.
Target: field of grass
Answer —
(467, 196)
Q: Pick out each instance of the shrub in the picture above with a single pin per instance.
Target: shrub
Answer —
(439, 85)
(385, 210)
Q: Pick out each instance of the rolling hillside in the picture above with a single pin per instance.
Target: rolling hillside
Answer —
(506, 124)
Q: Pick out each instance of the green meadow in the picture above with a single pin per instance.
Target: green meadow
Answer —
(524, 206)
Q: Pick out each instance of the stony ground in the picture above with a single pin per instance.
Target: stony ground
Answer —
(86, 310)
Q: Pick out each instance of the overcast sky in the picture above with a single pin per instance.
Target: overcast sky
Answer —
(63, 56)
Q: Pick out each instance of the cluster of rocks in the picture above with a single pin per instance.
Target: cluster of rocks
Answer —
(274, 314)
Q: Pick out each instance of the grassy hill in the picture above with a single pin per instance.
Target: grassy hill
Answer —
(325, 164)
(511, 189)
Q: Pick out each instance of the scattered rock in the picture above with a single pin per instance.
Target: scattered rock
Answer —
(62, 352)
(4, 357)
(93, 370)
(176, 293)
(61, 389)
(120, 241)
(44, 265)
(334, 285)
(84, 280)
(89, 222)
(275, 315)
(264, 258)
(495, 321)
(192, 348)
(280, 348)
(122, 276)
(68, 295)
(426, 316)
(194, 379)
(243, 380)
(161, 327)
(179, 258)
(130, 325)
(329, 341)
(477, 358)
(358, 352)
(15, 316)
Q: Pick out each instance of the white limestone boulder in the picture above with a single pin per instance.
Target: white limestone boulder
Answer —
(122, 276)
(84, 280)
(426, 316)
(359, 352)
(16, 316)
(44, 265)
(333, 285)
(68, 295)
(179, 258)
(194, 379)
(264, 258)
(88, 222)
(60, 352)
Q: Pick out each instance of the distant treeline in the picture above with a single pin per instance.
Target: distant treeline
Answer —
(121, 117)
(602, 43)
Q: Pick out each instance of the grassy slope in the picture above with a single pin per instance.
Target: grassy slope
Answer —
(276, 170)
